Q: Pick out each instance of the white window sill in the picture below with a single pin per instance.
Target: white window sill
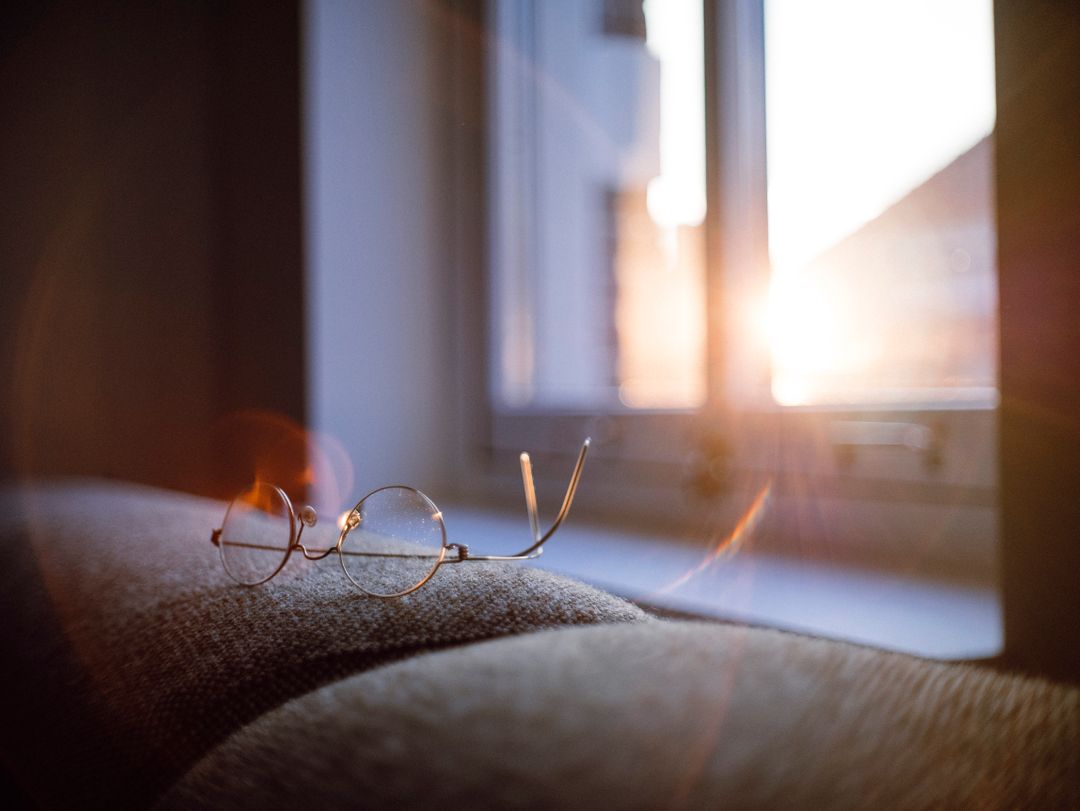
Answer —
(937, 619)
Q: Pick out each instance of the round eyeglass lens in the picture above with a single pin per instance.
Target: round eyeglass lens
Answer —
(392, 541)
(256, 534)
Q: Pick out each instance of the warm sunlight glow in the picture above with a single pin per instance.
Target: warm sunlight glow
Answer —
(676, 38)
(864, 102)
(804, 328)
(877, 116)
(659, 256)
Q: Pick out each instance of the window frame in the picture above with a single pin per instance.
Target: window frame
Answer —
(676, 469)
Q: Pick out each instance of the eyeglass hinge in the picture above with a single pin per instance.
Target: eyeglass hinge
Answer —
(215, 537)
(462, 550)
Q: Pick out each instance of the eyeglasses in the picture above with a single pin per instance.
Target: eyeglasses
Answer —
(391, 543)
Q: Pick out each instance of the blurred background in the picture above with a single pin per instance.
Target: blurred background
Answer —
(775, 257)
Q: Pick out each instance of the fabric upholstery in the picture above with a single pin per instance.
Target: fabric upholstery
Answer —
(657, 715)
(129, 653)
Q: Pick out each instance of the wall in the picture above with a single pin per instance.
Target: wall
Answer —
(379, 285)
(149, 234)
(152, 238)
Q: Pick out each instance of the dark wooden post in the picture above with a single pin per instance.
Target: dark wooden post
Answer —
(1038, 193)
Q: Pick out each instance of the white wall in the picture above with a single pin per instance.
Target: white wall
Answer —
(378, 294)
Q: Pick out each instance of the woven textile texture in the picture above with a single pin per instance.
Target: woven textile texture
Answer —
(129, 653)
(657, 715)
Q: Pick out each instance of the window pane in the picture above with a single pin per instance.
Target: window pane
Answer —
(597, 204)
(880, 195)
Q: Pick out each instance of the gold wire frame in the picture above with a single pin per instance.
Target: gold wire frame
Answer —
(307, 517)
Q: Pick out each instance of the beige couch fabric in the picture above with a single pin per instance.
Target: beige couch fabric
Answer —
(656, 715)
(128, 652)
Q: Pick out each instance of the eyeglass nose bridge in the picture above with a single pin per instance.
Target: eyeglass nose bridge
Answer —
(308, 518)
(318, 555)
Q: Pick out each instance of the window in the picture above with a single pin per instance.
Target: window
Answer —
(880, 202)
(598, 128)
(751, 241)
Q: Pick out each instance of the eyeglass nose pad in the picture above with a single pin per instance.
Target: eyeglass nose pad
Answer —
(309, 516)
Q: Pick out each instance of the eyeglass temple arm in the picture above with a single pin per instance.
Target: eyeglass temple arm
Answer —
(530, 500)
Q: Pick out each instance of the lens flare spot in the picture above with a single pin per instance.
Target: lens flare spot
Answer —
(309, 465)
(729, 544)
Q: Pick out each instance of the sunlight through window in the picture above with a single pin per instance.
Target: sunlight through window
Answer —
(881, 230)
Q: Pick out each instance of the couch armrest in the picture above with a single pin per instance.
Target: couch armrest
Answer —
(657, 715)
(130, 653)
